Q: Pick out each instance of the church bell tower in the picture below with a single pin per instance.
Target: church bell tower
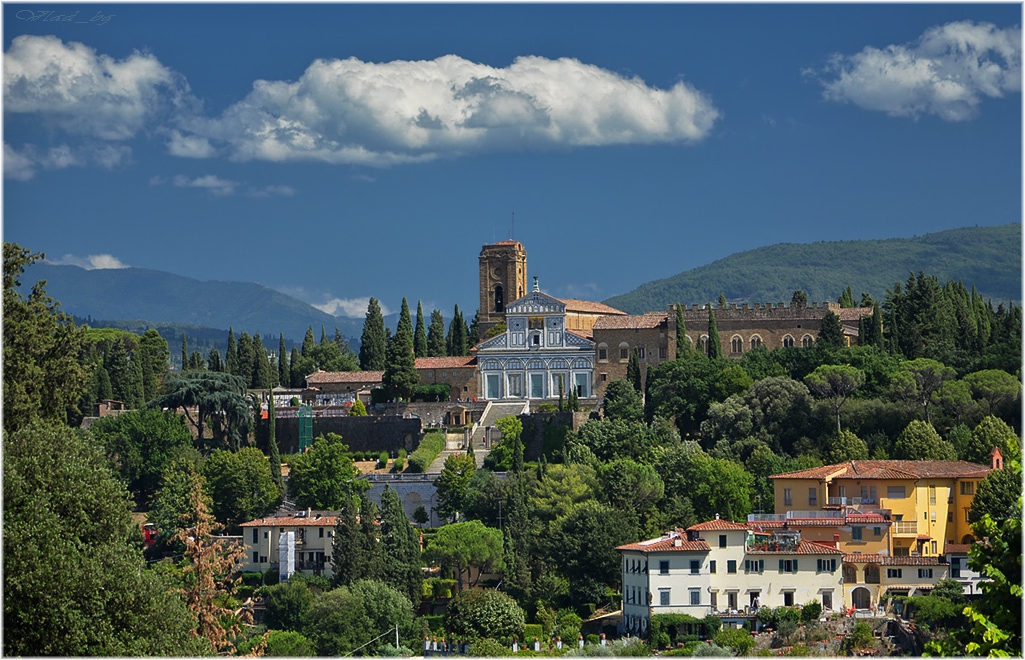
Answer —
(503, 279)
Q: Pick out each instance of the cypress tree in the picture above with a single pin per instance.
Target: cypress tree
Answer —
(420, 334)
(436, 336)
(296, 377)
(213, 360)
(245, 358)
(137, 388)
(714, 343)
(231, 357)
(196, 362)
(185, 353)
(116, 363)
(104, 390)
(799, 299)
(400, 548)
(473, 334)
(284, 375)
(831, 332)
(633, 370)
(847, 299)
(261, 365)
(272, 448)
(682, 343)
(308, 343)
(400, 375)
(877, 326)
(355, 552)
(373, 343)
(457, 334)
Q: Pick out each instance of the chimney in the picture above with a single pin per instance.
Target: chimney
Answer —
(717, 516)
(836, 540)
(996, 459)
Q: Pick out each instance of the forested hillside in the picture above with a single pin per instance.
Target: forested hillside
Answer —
(988, 258)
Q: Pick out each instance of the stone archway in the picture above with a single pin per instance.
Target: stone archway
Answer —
(861, 598)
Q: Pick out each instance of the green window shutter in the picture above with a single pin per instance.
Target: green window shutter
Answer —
(780, 565)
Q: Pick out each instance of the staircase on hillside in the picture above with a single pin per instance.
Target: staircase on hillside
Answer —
(492, 412)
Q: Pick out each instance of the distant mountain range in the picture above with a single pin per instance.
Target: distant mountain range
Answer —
(988, 258)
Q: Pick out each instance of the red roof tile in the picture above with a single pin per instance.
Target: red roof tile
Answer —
(667, 544)
(321, 377)
(803, 548)
(887, 560)
(574, 305)
(314, 520)
(717, 525)
(643, 321)
(956, 548)
(468, 361)
(853, 313)
(890, 470)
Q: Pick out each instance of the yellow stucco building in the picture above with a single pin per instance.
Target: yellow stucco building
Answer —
(926, 503)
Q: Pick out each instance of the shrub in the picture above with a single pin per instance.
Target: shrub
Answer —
(270, 577)
(358, 409)
(399, 464)
(432, 445)
(488, 648)
(382, 460)
(593, 639)
(402, 453)
(532, 630)
(252, 578)
(288, 644)
(438, 392)
(860, 637)
(482, 612)
(786, 628)
(800, 651)
(737, 639)
(706, 650)
(661, 640)
(811, 611)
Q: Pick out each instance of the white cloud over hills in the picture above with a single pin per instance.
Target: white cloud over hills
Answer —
(350, 307)
(91, 262)
(946, 72)
(348, 111)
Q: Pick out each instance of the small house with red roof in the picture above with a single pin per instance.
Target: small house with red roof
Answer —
(308, 537)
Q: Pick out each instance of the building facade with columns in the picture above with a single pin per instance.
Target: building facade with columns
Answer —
(537, 356)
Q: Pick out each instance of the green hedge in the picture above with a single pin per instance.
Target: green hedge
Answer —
(438, 392)
(532, 630)
(432, 445)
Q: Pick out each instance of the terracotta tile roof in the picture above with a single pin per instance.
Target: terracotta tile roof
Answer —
(956, 548)
(446, 362)
(667, 544)
(867, 518)
(313, 520)
(853, 313)
(574, 305)
(643, 321)
(887, 560)
(345, 377)
(803, 548)
(717, 525)
(890, 470)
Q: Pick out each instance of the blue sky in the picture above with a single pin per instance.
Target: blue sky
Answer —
(337, 151)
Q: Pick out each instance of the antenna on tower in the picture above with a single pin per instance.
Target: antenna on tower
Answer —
(512, 230)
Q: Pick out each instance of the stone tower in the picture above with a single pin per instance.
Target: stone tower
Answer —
(503, 279)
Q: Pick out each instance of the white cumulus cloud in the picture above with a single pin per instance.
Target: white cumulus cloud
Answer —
(211, 182)
(22, 165)
(88, 93)
(946, 72)
(351, 307)
(91, 262)
(350, 111)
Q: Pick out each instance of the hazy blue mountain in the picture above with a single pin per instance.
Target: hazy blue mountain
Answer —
(159, 297)
(987, 257)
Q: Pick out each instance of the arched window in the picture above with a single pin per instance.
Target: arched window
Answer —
(788, 342)
(603, 352)
(737, 344)
(756, 341)
(807, 341)
(850, 574)
(499, 299)
(703, 344)
(624, 351)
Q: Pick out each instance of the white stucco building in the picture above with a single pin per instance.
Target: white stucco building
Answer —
(313, 537)
(537, 355)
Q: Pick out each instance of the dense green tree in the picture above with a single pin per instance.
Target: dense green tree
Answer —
(273, 453)
(240, 486)
(831, 331)
(284, 373)
(920, 442)
(484, 613)
(622, 401)
(231, 354)
(387, 608)
(400, 375)
(172, 508)
(714, 347)
(246, 358)
(297, 377)
(355, 552)
(457, 342)
(846, 299)
(583, 546)
(373, 343)
(836, 383)
(123, 378)
(998, 495)
(469, 548)
(324, 477)
(220, 402)
(140, 444)
(917, 380)
(452, 484)
(288, 605)
(61, 503)
(954, 397)
(436, 336)
(262, 377)
(682, 389)
(154, 354)
(799, 299)
(780, 409)
(634, 489)
(338, 623)
(992, 432)
(400, 549)
(718, 487)
(845, 446)
(185, 353)
(196, 362)
(420, 333)
(473, 331)
(683, 345)
(995, 387)
(562, 489)
(213, 360)
(288, 644)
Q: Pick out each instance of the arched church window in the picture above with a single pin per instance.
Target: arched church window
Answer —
(499, 299)
(788, 342)
(756, 341)
(807, 341)
(737, 344)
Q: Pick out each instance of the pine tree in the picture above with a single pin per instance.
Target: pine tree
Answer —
(682, 343)
(272, 447)
(420, 334)
(400, 376)
(231, 357)
(436, 336)
(373, 343)
(714, 343)
(400, 548)
(284, 374)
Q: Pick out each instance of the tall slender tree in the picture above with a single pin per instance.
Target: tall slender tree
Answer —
(185, 353)
(420, 333)
(295, 373)
(373, 343)
(231, 357)
(847, 298)
(272, 447)
(154, 353)
(400, 548)
(682, 343)
(261, 377)
(633, 370)
(831, 332)
(284, 375)
(213, 360)
(245, 358)
(456, 342)
(714, 343)
(436, 336)
(400, 375)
